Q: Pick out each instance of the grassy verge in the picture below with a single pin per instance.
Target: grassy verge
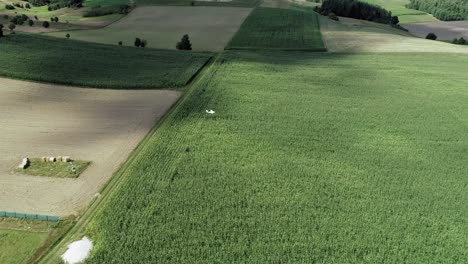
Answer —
(62, 61)
(22, 240)
(285, 168)
(281, 29)
(55, 169)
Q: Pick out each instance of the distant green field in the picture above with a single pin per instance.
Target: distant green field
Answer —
(275, 28)
(404, 14)
(309, 158)
(62, 61)
(164, 26)
(17, 246)
(233, 3)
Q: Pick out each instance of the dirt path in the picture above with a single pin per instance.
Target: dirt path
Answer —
(102, 126)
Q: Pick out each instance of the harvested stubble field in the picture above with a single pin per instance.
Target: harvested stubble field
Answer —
(284, 29)
(444, 30)
(101, 126)
(352, 35)
(77, 63)
(310, 157)
(209, 28)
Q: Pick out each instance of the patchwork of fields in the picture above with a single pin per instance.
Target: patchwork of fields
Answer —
(355, 155)
(340, 158)
(62, 61)
(209, 28)
(284, 29)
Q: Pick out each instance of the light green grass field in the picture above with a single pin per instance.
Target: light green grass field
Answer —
(17, 246)
(209, 28)
(404, 14)
(274, 28)
(77, 63)
(309, 157)
(55, 169)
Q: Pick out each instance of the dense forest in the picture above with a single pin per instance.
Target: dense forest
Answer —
(356, 9)
(446, 10)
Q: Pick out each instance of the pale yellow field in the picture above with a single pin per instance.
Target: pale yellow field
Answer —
(351, 35)
(102, 126)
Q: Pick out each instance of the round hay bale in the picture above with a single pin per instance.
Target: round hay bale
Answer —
(52, 159)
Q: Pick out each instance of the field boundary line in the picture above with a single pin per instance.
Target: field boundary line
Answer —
(117, 178)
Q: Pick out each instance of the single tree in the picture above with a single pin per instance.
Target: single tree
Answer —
(137, 42)
(462, 41)
(56, 19)
(11, 26)
(45, 24)
(30, 22)
(35, 17)
(1, 30)
(67, 35)
(431, 36)
(184, 43)
(120, 43)
(28, 6)
(395, 21)
(143, 43)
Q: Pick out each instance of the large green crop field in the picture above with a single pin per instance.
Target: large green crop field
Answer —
(62, 61)
(309, 157)
(274, 28)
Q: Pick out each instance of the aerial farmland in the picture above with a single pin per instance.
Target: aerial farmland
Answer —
(233, 131)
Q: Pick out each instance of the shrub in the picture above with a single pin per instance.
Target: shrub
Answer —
(333, 16)
(184, 43)
(30, 22)
(56, 19)
(5, 16)
(120, 43)
(462, 41)
(395, 20)
(9, 7)
(11, 26)
(143, 43)
(137, 42)
(45, 24)
(1, 30)
(35, 17)
(28, 6)
(68, 36)
(431, 36)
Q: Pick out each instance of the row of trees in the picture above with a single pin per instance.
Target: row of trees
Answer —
(447, 10)
(460, 41)
(358, 10)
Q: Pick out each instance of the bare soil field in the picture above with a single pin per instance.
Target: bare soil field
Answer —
(102, 126)
(209, 28)
(352, 35)
(443, 30)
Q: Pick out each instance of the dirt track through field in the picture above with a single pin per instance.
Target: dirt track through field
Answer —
(102, 126)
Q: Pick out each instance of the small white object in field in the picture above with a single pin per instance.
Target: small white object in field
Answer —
(66, 159)
(73, 169)
(78, 251)
(52, 159)
(24, 164)
(210, 112)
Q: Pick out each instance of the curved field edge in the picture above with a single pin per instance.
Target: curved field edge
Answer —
(52, 253)
(77, 63)
(309, 157)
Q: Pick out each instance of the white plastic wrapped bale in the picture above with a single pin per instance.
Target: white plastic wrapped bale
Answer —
(78, 251)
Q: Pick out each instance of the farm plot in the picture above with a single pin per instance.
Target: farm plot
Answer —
(274, 28)
(309, 157)
(209, 28)
(443, 30)
(352, 35)
(17, 246)
(101, 126)
(405, 15)
(78, 63)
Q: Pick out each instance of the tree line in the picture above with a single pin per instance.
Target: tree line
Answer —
(446, 10)
(358, 10)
